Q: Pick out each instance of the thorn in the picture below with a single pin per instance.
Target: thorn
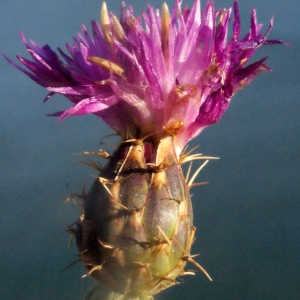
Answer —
(196, 173)
(199, 156)
(78, 196)
(191, 241)
(70, 241)
(123, 206)
(190, 260)
(137, 142)
(104, 183)
(92, 164)
(70, 227)
(71, 230)
(98, 267)
(72, 264)
(188, 172)
(185, 154)
(100, 153)
(72, 196)
(197, 184)
(186, 157)
(105, 245)
(189, 272)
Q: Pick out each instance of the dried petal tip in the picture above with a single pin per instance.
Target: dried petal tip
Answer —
(118, 29)
(105, 23)
(165, 23)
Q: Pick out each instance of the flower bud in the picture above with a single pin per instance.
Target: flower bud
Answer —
(136, 229)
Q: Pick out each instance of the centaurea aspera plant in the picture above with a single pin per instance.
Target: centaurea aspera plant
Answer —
(157, 81)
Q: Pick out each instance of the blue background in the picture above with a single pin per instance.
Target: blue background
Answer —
(247, 217)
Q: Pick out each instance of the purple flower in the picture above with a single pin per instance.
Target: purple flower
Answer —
(171, 71)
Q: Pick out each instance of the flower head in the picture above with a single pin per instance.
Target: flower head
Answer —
(172, 72)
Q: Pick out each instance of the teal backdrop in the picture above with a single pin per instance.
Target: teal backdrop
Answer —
(247, 217)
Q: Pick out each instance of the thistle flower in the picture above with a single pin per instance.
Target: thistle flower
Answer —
(157, 81)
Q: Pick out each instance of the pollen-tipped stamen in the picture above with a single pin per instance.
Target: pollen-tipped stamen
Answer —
(118, 29)
(107, 65)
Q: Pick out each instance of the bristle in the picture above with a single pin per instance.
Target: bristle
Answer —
(196, 173)
(190, 260)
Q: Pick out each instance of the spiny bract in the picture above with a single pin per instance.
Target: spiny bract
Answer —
(136, 230)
